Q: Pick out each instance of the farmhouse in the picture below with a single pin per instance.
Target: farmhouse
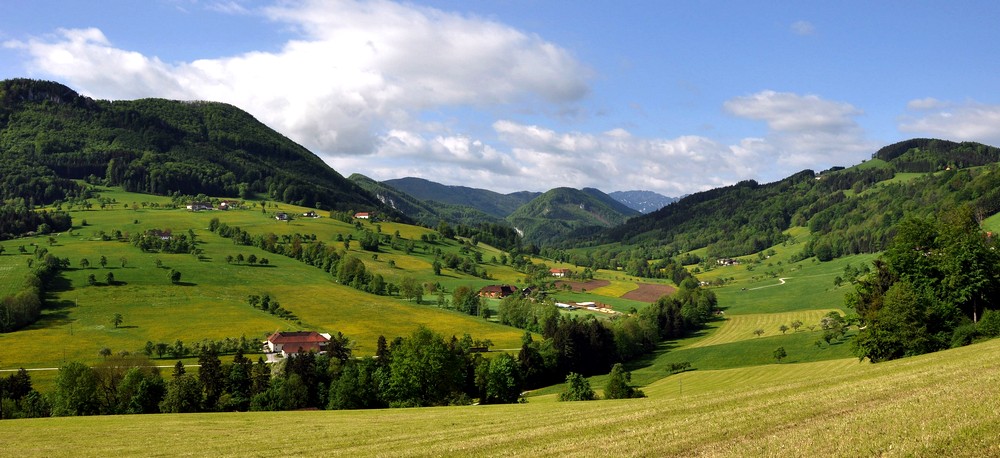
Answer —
(559, 272)
(290, 343)
(199, 206)
(497, 291)
(362, 215)
(281, 216)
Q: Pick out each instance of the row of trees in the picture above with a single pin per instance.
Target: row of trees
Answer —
(24, 307)
(423, 369)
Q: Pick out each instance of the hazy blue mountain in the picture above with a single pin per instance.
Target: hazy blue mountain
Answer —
(643, 201)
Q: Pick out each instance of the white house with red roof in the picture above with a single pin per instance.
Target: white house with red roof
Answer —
(289, 343)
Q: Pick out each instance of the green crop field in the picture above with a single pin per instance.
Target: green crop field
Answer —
(942, 404)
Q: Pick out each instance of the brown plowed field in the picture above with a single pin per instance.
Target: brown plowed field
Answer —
(579, 285)
(648, 292)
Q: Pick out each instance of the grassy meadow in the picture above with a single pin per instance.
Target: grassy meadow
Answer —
(942, 404)
(210, 300)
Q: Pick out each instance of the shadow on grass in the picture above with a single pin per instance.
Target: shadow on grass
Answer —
(185, 283)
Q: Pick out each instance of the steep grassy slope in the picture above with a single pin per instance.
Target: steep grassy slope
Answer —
(942, 404)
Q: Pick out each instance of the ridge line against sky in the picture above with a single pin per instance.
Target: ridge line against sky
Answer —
(510, 95)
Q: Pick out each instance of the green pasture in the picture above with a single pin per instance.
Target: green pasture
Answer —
(808, 285)
(13, 268)
(942, 404)
(210, 301)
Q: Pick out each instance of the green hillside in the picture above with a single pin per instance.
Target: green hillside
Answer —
(210, 302)
(427, 213)
(49, 134)
(560, 212)
(848, 211)
(492, 203)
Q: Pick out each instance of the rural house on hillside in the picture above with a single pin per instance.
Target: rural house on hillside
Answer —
(497, 291)
(289, 343)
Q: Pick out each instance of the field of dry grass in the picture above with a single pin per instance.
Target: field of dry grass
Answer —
(943, 404)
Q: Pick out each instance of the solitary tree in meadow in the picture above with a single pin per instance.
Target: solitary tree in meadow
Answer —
(117, 319)
(84, 263)
(759, 332)
(780, 354)
(796, 325)
(175, 276)
(577, 389)
(91, 279)
(103, 262)
(110, 278)
(783, 329)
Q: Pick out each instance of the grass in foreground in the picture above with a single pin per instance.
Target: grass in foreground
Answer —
(942, 404)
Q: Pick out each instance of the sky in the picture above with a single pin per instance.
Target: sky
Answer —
(509, 95)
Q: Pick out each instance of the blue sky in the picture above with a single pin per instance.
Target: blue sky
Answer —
(509, 95)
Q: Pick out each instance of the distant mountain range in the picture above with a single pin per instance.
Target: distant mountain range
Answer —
(643, 201)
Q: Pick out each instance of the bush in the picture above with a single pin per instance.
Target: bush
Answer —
(577, 389)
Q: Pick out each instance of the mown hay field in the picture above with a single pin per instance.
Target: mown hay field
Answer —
(741, 327)
(943, 404)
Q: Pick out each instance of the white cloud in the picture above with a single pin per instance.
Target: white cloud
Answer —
(358, 70)
(968, 121)
(538, 159)
(803, 28)
(805, 131)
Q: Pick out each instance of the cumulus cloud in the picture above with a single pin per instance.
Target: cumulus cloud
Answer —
(804, 130)
(355, 71)
(968, 121)
(538, 158)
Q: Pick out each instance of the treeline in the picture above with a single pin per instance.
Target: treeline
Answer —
(936, 286)
(24, 307)
(423, 369)
(17, 218)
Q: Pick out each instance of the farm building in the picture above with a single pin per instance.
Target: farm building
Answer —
(559, 272)
(290, 343)
(497, 291)
(363, 215)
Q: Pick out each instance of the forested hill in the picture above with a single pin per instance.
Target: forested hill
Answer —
(426, 213)
(560, 212)
(49, 133)
(852, 210)
(492, 203)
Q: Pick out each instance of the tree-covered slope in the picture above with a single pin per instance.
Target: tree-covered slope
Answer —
(157, 146)
(852, 210)
(560, 212)
(492, 203)
(426, 213)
